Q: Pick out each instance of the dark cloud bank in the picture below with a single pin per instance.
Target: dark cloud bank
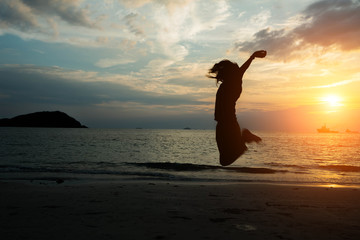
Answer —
(26, 83)
(325, 24)
(27, 87)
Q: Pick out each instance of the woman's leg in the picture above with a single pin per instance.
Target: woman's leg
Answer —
(229, 141)
(249, 136)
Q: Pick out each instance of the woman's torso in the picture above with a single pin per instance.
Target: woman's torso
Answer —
(226, 98)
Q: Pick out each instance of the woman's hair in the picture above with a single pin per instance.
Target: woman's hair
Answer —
(222, 70)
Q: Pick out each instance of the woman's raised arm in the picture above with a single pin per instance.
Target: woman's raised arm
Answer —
(257, 54)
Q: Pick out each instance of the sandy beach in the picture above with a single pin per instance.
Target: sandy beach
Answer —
(176, 210)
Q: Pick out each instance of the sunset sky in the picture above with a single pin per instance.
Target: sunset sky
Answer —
(142, 63)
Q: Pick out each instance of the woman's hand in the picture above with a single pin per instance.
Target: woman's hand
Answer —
(259, 54)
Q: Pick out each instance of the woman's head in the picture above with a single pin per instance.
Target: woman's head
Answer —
(223, 71)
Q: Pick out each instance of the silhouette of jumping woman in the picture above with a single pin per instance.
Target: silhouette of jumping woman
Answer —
(229, 137)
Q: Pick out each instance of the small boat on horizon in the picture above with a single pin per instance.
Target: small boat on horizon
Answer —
(324, 129)
(349, 131)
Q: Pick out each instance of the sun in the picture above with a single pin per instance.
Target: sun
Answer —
(332, 100)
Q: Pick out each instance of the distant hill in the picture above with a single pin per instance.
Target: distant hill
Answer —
(42, 119)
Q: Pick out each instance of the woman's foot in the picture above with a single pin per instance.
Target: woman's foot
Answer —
(249, 137)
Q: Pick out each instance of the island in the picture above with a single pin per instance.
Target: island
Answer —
(55, 119)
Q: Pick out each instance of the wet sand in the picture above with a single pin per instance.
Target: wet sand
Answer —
(172, 210)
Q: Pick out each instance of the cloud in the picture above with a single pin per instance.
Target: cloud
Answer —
(177, 22)
(68, 11)
(333, 22)
(131, 21)
(324, 24)
(344, 82)
(260, 18)
(164, 28)
(134, 3)
(13, 13)
(110, 62)
(29, 15)
(276, 42)
(55, 85)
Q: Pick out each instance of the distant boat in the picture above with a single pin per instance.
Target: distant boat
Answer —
(349, 131)
(324, 129)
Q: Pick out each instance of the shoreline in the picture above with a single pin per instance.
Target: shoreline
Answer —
(152, 209)
(54, 180)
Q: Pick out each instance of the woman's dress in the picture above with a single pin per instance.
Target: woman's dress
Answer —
(229, 140)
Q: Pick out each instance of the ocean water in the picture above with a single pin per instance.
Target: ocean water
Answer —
(175, 155)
